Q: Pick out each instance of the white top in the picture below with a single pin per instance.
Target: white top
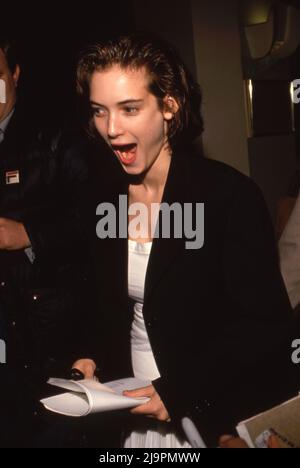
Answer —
(143, 362)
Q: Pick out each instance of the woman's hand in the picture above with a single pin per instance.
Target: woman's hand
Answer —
(154, 408)
(86, 366)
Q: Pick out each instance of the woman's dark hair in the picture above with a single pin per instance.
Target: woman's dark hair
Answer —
(8, 48)
(168, 77)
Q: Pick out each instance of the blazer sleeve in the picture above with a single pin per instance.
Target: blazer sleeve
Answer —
(252, 273)
(237, 376)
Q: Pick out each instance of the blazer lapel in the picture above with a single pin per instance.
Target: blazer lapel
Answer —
(110, 255)
(164, 251)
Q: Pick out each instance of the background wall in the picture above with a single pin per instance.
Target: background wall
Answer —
(171, 19)
(219, 69)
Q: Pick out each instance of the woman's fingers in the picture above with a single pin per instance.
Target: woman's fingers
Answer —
(140, 392)
(153, 408)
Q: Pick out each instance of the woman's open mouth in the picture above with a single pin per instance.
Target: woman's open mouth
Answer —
(126, 153)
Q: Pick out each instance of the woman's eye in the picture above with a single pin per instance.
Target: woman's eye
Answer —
(98, 112)
(131, 110)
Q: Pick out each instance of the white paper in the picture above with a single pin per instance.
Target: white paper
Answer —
(89, 396)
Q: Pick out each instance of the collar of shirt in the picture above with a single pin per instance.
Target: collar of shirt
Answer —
(4, 124)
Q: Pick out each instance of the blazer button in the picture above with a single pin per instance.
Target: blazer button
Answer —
(2, 284)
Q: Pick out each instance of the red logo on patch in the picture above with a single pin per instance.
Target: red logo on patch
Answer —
(12, 177)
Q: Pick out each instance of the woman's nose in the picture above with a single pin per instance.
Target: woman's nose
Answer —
(114, 127)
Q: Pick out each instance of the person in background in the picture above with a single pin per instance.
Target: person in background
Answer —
(286, 204)
(197, 322)
(43, 265)
(289, 249)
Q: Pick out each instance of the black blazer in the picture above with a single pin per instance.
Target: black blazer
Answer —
(216, 317)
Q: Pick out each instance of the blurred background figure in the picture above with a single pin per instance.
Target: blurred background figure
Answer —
(286, 204)
(43, 265)
(289, 248)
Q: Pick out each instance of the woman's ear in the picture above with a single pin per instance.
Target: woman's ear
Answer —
(170, 107)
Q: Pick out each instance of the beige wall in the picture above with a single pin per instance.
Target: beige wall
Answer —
(219, 70)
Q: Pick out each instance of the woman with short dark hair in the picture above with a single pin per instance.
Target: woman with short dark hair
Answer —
(198, 309)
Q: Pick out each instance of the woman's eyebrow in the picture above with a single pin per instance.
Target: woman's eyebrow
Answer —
(130, 101)
(121, 103)
(93, 103)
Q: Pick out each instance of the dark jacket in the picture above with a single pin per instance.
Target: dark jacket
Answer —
(218, 318)
(43, 299)
(41, 303)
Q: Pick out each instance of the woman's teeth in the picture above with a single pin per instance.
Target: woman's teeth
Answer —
(126, 152)
(126, 155)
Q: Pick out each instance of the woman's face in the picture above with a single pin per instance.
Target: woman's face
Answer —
(128, 117)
